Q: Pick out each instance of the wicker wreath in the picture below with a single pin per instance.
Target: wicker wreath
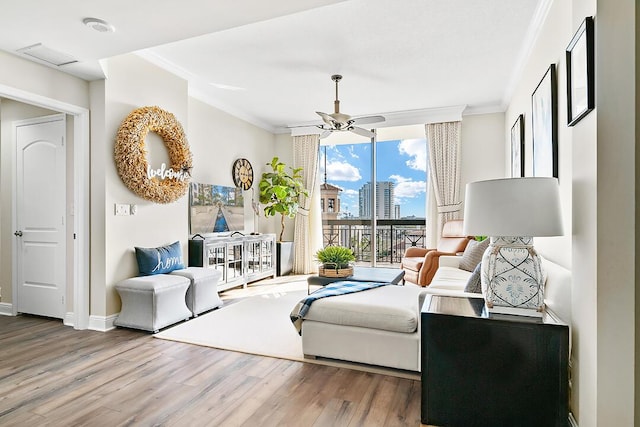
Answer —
(131, 155)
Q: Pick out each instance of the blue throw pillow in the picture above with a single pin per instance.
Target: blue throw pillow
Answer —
(160, 260)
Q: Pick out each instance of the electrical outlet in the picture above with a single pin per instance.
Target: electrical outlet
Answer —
(133, 209)
(122, 210)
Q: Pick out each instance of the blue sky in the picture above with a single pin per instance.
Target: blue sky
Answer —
(403, 162)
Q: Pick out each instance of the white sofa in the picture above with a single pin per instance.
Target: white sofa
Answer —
(381, 326)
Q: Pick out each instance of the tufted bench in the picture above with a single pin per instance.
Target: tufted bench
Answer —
(202, 294)
(153, 302)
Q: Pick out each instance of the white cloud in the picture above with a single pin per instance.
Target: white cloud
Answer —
(409, 189)
(416, 149)
(398, 178)
(342, 171)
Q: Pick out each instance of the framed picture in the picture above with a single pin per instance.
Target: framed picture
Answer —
(580, 73)
(517, 148)
(544, 125)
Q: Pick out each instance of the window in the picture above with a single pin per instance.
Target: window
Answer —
(400, 195)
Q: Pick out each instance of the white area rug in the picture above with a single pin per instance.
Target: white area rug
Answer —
(259, 325)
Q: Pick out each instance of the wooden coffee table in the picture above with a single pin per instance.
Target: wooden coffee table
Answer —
(361, 274)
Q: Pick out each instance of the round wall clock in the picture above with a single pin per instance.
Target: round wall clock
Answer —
(242, 174)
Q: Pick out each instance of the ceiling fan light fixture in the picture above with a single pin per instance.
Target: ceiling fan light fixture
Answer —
(340, 122)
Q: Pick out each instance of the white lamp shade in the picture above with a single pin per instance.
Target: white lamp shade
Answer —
(513, 207)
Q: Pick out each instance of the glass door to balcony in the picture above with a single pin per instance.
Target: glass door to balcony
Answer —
(383, 181)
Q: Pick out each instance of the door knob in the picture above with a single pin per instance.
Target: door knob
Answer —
(18, 233)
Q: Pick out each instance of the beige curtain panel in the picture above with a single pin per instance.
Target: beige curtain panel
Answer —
(443, 141)
(305, 241)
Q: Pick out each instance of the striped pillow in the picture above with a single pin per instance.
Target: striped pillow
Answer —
(474, 284)
(473, 254)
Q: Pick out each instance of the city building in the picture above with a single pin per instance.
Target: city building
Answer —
(384, 200)
(330, 201)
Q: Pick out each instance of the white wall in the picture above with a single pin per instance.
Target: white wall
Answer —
(615, 231)
(482, 145)
(549, 49)
(38, 80)
(217, 139)
(597, 178)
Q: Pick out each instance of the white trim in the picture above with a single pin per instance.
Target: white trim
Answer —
(81, 257)
(68, 318)
(102, 323)
(534, 31)
(6, 309)
(198, 89)
(81, 218)
(572, 421)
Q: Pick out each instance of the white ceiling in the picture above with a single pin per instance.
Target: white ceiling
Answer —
(270, 62)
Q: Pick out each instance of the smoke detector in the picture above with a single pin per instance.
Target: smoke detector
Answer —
(99, 25)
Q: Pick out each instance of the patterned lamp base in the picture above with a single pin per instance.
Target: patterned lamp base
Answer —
(512, 277)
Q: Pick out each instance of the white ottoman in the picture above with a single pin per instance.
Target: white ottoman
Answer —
(152, 302)
(203, 292)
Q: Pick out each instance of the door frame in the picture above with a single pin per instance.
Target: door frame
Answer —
(81, 259)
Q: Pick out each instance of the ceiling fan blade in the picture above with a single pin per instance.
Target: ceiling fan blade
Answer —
(368, 119)
(325, 134)
(325, 117)
(361, 132)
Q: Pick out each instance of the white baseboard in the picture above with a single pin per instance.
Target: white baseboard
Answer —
(6, 309)
(68, 319)
(572, 421)
(102, 323)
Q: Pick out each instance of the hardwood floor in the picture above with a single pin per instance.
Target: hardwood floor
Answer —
(53, 375)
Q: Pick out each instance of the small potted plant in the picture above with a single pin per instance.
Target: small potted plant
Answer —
(335, 261)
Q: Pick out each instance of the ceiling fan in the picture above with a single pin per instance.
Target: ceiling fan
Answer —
(338, 122)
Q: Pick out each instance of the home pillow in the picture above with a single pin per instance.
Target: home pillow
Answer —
(160, 260)
(473, 254)
(474, 284)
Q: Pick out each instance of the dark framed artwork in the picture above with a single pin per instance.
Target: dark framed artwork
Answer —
(517, 147)
(544, 125)
(580, 73)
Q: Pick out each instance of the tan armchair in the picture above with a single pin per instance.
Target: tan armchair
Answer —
(420, 264)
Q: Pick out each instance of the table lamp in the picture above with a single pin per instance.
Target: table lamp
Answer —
(512, 212)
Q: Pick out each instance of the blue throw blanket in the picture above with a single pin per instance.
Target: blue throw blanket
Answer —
(332, 289)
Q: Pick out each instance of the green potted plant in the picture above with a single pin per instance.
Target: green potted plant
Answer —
(280, 191)
(335, 261)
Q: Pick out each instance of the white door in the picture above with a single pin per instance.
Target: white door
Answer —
(40, 216)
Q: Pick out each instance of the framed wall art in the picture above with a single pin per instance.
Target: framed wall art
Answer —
(544, 125)
(517, 148)
(580, 73)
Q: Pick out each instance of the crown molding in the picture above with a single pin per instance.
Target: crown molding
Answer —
(533, 32)
(199, 90)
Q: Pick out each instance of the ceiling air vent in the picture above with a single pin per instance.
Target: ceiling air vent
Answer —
(45, 54)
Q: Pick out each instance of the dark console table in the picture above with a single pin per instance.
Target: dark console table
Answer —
(491, 371)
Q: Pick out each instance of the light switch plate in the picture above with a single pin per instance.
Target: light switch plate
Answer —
(122, 209)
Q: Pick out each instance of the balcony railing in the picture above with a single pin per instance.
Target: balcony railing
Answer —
(393, 236)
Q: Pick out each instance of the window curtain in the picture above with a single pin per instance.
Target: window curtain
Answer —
(443, 142)
(307, 237)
